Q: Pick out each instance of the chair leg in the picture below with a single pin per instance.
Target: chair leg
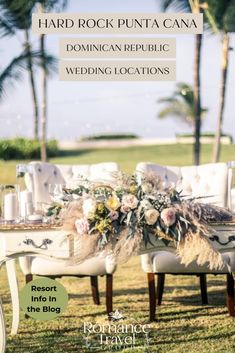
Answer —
(160, 287)
(203, 287)
(109, 293)
(230, 294)
(28, 278)
(152, 296)
(95, 290)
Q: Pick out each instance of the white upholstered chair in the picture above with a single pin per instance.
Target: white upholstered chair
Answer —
(213, 181)
(37, 181)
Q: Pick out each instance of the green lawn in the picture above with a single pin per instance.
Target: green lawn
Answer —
(183, 325)
(128, 157)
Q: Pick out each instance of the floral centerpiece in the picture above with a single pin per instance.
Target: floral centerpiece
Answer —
(118, 219)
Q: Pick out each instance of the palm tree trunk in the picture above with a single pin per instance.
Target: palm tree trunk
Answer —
(197, 100)
(44, 102)
(33, 86)
(225, 61)
(196, 8)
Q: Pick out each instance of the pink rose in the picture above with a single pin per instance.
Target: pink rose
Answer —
(114, 215)
(168, 215)
(129, 201)
(82, 226)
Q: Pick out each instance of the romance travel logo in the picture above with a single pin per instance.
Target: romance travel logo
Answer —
(115, 335)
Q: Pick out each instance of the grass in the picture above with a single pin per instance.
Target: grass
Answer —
(127, 158)
(183, 325)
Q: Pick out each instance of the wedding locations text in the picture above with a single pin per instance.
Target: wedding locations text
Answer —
(117, 70)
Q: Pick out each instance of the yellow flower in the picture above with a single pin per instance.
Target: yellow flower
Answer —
(104, 225)
(100, 208)
(113, 203)
(133, 189)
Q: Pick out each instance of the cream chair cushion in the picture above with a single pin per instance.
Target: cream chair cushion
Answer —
(208, 180)
(95, 266)
(43, 174)
(167, 262)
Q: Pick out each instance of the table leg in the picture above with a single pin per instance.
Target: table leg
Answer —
(12, 280)
(2, 330)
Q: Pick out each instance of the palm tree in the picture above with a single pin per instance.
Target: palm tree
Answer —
(15, 18)
(41, 8)
(196, 6)
(180, 105)
(19, 12)
(220, 15)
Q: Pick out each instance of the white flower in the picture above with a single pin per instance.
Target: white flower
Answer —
(129, 201)
(147, 187)
(89, 207)
(82, 226)
(151, 216)
(146, 204)
(168, 215)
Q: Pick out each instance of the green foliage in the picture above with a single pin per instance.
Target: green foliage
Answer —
(21, 148)
(14, 71)
(220, 15)
(109, 137)
(16, 14)
(207, 134)
(173, 154)
(177, 5)
(180, 104)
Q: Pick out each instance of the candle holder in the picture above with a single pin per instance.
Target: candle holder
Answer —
(25, 197)
(21, 170)
(9, 203)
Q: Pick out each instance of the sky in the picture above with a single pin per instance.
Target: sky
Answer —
(78, 109)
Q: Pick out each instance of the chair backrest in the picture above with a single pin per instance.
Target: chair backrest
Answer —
(42, 174)
(210, 181)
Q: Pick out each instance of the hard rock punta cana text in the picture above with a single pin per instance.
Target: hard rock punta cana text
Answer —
(143, 23)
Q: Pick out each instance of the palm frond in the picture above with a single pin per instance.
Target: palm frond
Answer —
(6, 28)
(14, 71)
(55, 5)
(180, 104)
(177, 109)
(176, 5)
(17, 13)
(45, 61)
(220, 15)
(167, 100)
